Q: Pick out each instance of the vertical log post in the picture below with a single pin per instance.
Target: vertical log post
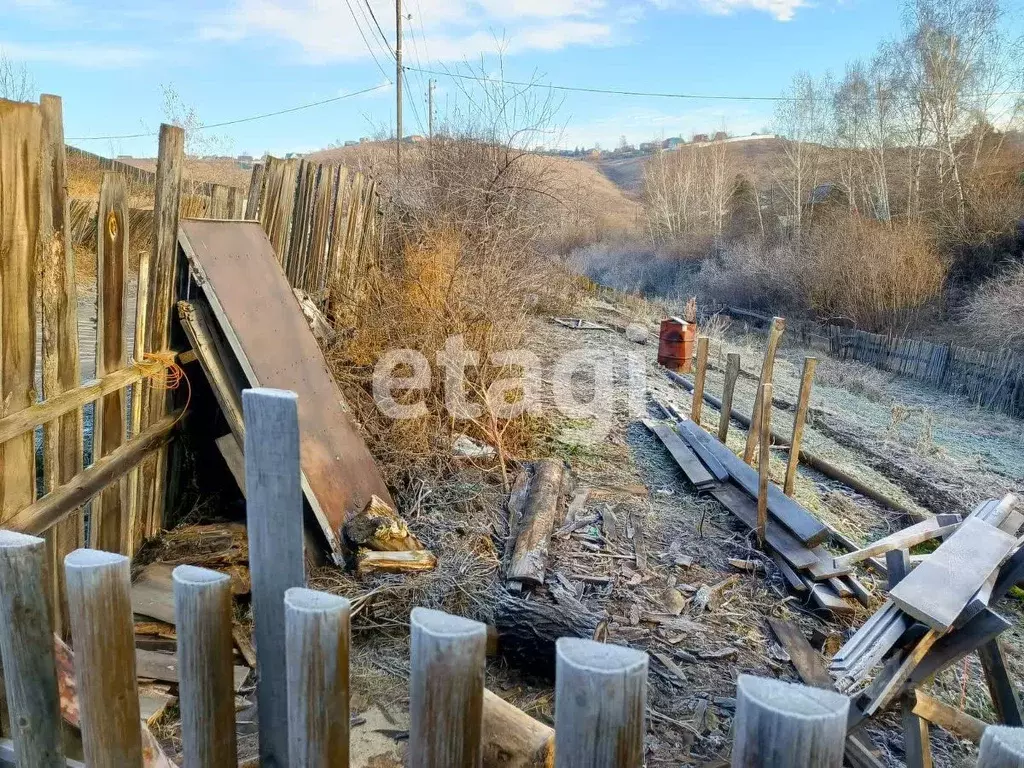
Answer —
(135, 424)
(767, 371)
(764, 457)
(785, 725)
(732, 372)
(446, 690)
(317, 640)
(804, 399)
(698, 381)
(1002, 746)
(108, 521)
(62, 440)
(160, 301)
(26, 643)
(99, 598)
(274, 509)
(600, 703)
(202, 615)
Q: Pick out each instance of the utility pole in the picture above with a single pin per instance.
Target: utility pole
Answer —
(398, 86)
(430, 108)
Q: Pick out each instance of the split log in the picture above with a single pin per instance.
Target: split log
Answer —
(528, 629)
(532, 531)
(395, 562)
(513, 739)
(378, 527)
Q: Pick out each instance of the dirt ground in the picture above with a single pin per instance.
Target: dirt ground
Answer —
(956, 453)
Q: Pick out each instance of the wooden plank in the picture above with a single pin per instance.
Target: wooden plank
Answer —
(825, 598)
(775, 332)
(893, 685)
(56, 506)
(252, 200)
(153, 593)
(62, 440)
(222, 371)
(108, 521)
(20, 147)
(941, 587)
(949, 718)
(732, 372)
(933, 528)
(684, 458)
(338, 472)
(274, 511)
(218, 207)
(954, 645)
(699, 441)
(791, 577)
(779, 539)
(203, 605)
(798, 520)
(160, 301)
(156, 665)
(135, 516)
(803, 400)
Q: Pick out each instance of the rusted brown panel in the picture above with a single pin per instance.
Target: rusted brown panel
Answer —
(235, 267)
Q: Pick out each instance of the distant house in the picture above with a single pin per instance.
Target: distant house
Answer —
(721, 136)
(700, 138)
(244, 161)
(650, 146)
(672, 143)
(414, 139)
(351, 143)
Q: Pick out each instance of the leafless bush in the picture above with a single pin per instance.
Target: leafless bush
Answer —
(994, 312)
(16, 83)
(633, 265)
(753, 275)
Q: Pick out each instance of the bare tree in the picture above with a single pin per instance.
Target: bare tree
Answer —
(16, 83)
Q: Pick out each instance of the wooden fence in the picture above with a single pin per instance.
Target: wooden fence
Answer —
(323, 222)
(988, 378)
(133, 173)
(302, 658)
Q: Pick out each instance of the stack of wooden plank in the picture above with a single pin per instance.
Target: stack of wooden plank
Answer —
(793, 534)
(938, 612)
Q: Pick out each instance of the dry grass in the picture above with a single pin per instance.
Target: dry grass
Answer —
(994, 312)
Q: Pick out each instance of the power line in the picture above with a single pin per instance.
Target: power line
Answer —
(239, 120)
(365, 41)
(652, 94)
(377, 24)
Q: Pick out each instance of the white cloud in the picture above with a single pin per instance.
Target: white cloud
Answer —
(80, 55)
(782, 10)
(438, 30)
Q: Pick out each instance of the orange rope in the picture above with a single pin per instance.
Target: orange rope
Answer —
(162, 371)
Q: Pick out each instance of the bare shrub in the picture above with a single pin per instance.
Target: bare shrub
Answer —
(633, 265)
(753, 275)
(881, 276)
(994, 312)
(16, 83)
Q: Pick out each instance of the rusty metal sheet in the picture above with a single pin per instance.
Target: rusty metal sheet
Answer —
(234, 265)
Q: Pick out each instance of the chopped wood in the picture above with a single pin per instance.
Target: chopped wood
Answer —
(610, 524)
(683, 456)
(531, 533)
(512, 739)
(721, 653)
(751, 566)
(378, 527)
(707, 596)
(825, 598)
(674, 601)
(670, 665)
(369, 561)
(941, 587)
(243, 642)
(528, 629)
(933, 528)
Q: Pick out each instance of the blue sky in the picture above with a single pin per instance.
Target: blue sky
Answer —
(235, 58)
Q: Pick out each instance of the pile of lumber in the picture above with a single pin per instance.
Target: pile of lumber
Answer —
(939, 611)
(793, 535)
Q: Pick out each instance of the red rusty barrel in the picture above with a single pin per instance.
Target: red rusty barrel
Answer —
(675, 344)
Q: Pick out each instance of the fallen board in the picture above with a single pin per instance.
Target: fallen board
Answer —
(153, 665)
(939, 589)
(808, 529)
(779, 539)
(683, 455)
(697, 439)
(234, 265)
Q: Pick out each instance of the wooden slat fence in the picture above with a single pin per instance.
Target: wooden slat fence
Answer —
(324, 223)
(74, 479)
(138, 175)
(302, 662)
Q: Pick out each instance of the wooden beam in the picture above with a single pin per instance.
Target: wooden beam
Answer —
(933, 528)
(108, 520)
(732, 372)
(682, 454)
(1000, 687)
(916, 744)
(764, 457)
(767, 370)
(700, 442)
(216, 361)
(949, 718)
(698, 379)
(531, 533)
(803, 400)
(779, 539)
(893, 685)
(57, 505)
